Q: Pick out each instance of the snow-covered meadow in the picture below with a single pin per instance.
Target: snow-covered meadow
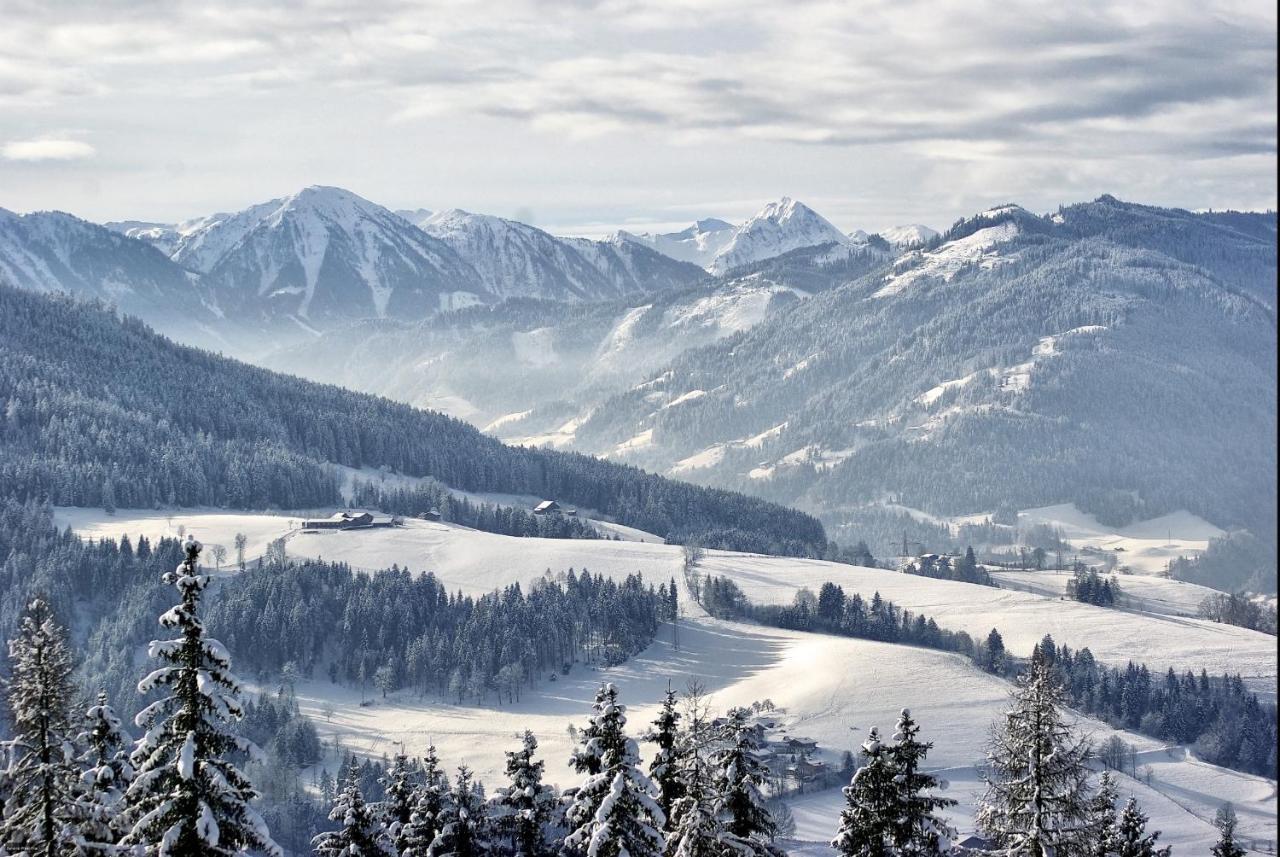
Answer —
(828, 688)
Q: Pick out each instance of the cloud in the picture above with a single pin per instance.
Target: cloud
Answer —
(47, 150)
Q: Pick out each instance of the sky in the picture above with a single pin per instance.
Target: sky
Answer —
(583, 117)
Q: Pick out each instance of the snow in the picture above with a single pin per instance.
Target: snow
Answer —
(778, 228)
(1146, 546)
(709, 457)
(1022, 618)
(685, 397)
(639, 441)
(699, 244)
(949, 259)
(740, 306)
(1139, 591)
(830, 688)
(912, 235)
(758, 440)
(506, 419)
(212, 526)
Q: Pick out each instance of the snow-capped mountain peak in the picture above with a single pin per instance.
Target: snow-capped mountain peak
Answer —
(778, 228)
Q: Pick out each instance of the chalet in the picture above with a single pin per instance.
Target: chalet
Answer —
(430, 515)
(806, 771)
(546, 507)
(799, 746)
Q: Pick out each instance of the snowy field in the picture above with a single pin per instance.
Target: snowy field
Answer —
(1139, 591)
(1023, 618)
(829, 688)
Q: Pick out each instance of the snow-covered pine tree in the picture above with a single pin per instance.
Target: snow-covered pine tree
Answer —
(362, 833)
(738, 777)
(525, 810)
(1131, 839)
(1101, 826)
(585, 757)
(917, 830)
(42, 806)
(614, 812)
(694, 828)
(464, 828)
(869, 817)
(187, 797)
(431, 801)
(1225, 821)
(105, 774)
(664, 768)
(396, 808)
(1037, 800)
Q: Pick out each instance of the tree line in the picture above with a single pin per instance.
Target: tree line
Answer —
(1226, 723)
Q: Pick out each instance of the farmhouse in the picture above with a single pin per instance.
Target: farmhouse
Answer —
(348, 520)
(546, 507)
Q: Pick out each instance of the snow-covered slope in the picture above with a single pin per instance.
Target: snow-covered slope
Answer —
(830, 689)
(778, 228)
(323, 256)
(50, 251)
(698, 244)
(911, 235)
(518, 260)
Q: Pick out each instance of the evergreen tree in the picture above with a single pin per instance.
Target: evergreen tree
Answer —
(614, 812)
(362, 834)
(739, 775)
(524, 810)
(106, 773)
(1101, 829)
(1225, 821)
(42, 803)
(187, 796)
(694, 828)
(917, 829)
(431, 800)
(664, 768)
(464, 828)
(1131, 839)
(868, 820)
(1036, 802)
(398, 803)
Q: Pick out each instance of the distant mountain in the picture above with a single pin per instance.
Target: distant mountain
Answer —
(50, 251)
(416, 216)
(778, 228)
(324, 256)
(912, 235)
(517, 260)
(698, 244)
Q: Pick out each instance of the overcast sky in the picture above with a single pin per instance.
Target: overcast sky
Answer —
(583, 116)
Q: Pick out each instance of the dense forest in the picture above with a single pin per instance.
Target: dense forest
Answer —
(104, 412)
(392, 630)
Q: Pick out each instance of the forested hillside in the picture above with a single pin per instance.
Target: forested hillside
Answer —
(99, 411)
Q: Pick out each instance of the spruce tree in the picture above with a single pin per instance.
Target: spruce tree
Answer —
(1036, 802)
(464, 829)
(524, 810)
(397, 806)
(362, 833)
(738, 778)
(694, 828)
(664, 768)
(187, 796)
(868, 819)
(42, 803)
(1131, 839)
(917, 829)
(105, 774)
(431, 801)
(1101, 827)
(1225, 821)
(614, 812)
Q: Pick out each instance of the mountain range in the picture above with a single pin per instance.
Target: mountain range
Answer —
(1114, 355)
